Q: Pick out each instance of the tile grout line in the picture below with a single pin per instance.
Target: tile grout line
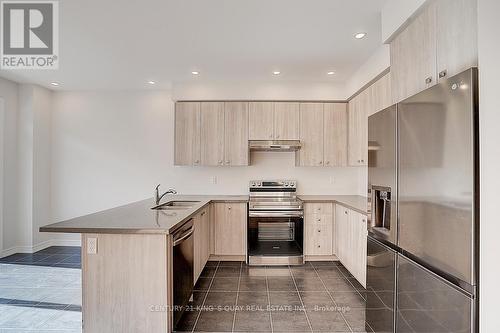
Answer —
(333, 300)
(206, 295)
(269, 301)
(237, 295)
(300, 298)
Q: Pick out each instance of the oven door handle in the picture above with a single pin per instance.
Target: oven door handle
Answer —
(275, 214)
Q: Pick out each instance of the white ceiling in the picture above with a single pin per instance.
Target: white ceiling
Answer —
(113, 44)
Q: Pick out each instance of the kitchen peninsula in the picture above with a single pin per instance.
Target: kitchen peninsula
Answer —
(127, 253)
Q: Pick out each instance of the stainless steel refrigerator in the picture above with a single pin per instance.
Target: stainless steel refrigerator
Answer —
(423, 227)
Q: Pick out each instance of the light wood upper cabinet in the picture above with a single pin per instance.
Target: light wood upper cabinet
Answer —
(358, 129)
(413, 56)
(381, 97)
(311, 134)
(456, 36)
(335, 134)
(230, 228)
(261, 119)
(187, 133)
(440, 42)
(286, 121)
(236, 133)
(212, 133)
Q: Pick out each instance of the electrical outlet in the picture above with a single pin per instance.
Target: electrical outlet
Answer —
(213, 179)
(332, 179)
(91, 245)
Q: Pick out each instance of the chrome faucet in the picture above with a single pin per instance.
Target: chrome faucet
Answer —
(158, 197)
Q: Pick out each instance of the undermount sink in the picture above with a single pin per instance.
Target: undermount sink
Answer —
(175, 205)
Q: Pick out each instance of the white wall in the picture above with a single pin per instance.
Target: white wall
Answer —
(2, 162)
(259, 91)
(42, 109)
(112, 148)
(8, 92)
(395, 13)
(376, 64)
(34, 158)
(25, 166)
(489, 105)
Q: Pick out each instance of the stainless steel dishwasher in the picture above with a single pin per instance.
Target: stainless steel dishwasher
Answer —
(183, 268)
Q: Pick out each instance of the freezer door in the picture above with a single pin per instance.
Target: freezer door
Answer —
(382, 220)
(426, 303)
(380, 287)
(437, 171)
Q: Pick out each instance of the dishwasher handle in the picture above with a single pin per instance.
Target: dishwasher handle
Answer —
(184, 236)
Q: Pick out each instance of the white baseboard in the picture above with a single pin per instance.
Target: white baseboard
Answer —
(39, 246)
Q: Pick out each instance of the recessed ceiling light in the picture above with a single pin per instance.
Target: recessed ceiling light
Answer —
(195, 72)
(276, 73)
(330, 73)
(151, 82)
(360, 35)
(55, 84)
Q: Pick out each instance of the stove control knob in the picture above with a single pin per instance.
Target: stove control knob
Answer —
(259, 184)
(286, 184)
(253, 184)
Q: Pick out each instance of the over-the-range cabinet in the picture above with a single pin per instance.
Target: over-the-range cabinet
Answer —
(423, 167)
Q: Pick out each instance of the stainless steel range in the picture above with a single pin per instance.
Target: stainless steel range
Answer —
(275, 223)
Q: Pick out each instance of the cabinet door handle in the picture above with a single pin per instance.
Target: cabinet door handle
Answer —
(220, 162)
(345, 212)
(327, 162)
(320, 162)
(319, 220)
(428, 80)
(319, 246)
(229, 207)
(319, 230)
(442, 74)
(227, 162)
(202, 213)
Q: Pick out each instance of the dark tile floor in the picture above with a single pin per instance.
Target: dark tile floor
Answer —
(41, 292)
(54, 256)
(315, 297)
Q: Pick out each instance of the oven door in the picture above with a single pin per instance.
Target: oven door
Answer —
(275, 237)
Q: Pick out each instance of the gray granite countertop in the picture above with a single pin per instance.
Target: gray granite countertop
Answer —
(355, 202)
(138, 217)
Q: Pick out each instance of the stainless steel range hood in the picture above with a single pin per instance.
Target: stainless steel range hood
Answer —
(274, 145)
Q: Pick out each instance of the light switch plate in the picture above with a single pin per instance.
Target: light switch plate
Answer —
(213, 179)
(92, 245)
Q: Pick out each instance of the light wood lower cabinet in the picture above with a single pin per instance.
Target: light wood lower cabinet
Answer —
(201, 241)
(127, 284)
(230, 221)
(351, 238)
(318, 229)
